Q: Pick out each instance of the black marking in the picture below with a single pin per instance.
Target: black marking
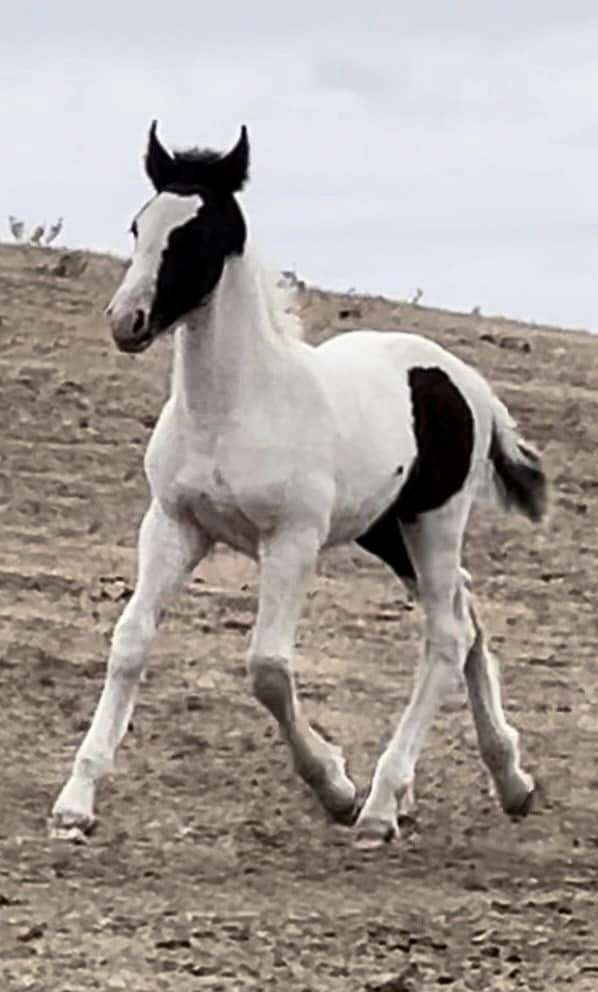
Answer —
(194, 258)
(444, 431)
(522, 483)
(197, 169)
(384, 539)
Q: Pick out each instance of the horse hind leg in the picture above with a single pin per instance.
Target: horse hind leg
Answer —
(498, 740)
(434, 544)
(384, 540)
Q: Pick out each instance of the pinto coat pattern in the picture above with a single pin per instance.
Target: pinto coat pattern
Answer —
(280, 449)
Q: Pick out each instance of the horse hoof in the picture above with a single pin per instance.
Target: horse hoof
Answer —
(373, 832)
(348, 814)
(71, 825)
(338, 796)
(407, 821)
(522, 807)
(345, 816)
(73, 834)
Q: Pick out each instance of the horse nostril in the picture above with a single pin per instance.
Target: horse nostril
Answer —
(139, 322)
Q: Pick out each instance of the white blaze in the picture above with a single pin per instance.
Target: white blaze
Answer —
(155, 223)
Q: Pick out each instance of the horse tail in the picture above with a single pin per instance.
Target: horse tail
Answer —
(518, 480)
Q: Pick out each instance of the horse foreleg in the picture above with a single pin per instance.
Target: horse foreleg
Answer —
(168, 549)
(286, 563)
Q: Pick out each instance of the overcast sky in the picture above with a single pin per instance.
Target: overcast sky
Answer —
(451, 146)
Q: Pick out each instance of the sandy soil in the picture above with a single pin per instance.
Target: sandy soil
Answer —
(211, 867)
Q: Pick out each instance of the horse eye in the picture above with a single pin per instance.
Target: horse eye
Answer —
(133, 229)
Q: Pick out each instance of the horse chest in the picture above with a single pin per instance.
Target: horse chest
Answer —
(205, 492)
(188, 475)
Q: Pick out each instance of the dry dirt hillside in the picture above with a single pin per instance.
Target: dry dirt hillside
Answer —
(211, 867)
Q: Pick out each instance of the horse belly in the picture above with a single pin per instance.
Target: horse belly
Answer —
(362, 498)
(375, 455)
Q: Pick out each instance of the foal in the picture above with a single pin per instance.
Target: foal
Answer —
(280, 449)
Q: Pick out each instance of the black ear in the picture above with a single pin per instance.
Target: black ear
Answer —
(159, 164)
(231, 171)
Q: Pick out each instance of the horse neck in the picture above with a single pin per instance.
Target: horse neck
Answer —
(227, 351)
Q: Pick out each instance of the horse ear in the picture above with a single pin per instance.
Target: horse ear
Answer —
(159, 165)
(231, 171)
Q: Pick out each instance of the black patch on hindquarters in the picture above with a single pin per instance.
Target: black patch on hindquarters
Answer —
(444, 433)
(384, 539)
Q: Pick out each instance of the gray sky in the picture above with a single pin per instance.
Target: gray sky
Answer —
(450, 146)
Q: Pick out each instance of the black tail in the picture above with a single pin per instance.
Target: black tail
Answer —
(519, 478)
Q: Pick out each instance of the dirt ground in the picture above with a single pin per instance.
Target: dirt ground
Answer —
(211, 867)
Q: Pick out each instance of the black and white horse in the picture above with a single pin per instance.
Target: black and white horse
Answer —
(280, 449)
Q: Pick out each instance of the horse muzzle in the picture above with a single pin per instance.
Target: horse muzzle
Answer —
(130, 330)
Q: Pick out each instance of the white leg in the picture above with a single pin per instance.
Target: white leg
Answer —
(168, 550)
(434, 545)
(497, 739)
(287, 561)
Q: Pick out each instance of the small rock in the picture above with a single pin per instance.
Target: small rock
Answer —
(404, 981)
(515, 344)
(31, 933)
(345, 313)
(71, 265)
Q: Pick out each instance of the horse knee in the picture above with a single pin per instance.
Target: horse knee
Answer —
(272, 686)
(451, 628)
(446, 640)
(132, 637)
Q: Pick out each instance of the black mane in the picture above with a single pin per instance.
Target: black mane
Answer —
(203, 155)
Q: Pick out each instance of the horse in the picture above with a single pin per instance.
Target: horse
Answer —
(280, 449)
